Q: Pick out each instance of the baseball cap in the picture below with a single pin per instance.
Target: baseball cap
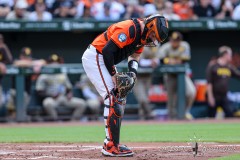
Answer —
(21, 4)
(223, 49)
(26, 52)
(40, 2)
(55, 58)
(176, 36)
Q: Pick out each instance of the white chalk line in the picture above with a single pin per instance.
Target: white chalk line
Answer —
(59, 158)
(40, 157)
(42, 150)
(62, 146)
(50, 157)
(6, 152)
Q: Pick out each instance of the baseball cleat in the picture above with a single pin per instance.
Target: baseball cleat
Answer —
(119, 151)
(188, 116)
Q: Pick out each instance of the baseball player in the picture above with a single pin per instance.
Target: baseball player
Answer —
(219, 72)
(56, 89)
(122, 40)
(174, 52)
(5, 58)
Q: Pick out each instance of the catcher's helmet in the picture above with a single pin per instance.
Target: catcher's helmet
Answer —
(157, 24)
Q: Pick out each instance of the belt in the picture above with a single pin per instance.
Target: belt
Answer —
(91, 47)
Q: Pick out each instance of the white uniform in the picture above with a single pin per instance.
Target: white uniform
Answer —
(97, 72)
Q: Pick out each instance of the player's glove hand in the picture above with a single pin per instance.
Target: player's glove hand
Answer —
(124, 83)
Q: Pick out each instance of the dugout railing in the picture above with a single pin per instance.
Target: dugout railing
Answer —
(77, 69)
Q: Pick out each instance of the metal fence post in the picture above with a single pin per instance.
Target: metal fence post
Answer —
(181, 102)
(20, 108)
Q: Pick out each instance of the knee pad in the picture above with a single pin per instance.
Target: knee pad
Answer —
(113, 98)
(48, 102)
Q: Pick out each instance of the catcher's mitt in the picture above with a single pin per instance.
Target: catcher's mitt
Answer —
(125, 82)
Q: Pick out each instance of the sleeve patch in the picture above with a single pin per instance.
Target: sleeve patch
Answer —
(122, 37)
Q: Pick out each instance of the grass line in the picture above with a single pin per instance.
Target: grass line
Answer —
(230, 157)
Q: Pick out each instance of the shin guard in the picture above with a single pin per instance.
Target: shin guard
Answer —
(113, 117)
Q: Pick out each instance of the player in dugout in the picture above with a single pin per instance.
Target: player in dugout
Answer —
(122, 40)
(219, 72)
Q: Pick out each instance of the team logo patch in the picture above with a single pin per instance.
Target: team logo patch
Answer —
(122, 37)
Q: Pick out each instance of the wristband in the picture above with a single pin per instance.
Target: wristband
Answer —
(133, 66)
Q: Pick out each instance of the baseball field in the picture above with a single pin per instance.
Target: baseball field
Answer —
(217, 139)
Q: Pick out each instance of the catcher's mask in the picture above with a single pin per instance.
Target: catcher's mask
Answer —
(155, 30)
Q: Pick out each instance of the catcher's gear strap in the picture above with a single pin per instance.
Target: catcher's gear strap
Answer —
(115, 98)
(108, 56)
(133, 66)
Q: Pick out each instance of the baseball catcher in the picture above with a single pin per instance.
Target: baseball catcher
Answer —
(122, 40)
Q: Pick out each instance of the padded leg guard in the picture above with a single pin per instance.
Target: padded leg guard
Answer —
(116, 113)
(113, 117)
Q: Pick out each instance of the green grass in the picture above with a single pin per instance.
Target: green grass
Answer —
(130, 133)
(231, 157)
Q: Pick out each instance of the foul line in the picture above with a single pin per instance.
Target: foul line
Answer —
(51, 157)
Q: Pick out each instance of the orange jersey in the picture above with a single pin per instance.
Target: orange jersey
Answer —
(126, 35)
(184, 11)
(90, 3)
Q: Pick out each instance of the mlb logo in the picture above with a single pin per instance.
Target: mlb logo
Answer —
(122, 37)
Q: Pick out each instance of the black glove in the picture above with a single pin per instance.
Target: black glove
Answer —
(125, 82)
